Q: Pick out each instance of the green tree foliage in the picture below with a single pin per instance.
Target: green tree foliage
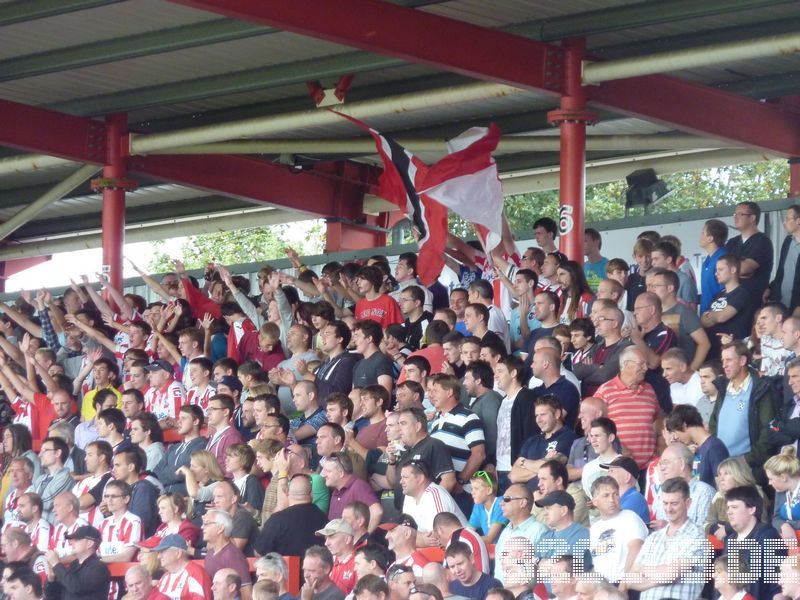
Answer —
(695, 189)
(237, 247)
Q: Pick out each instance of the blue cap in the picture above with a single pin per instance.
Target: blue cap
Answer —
(173, 540)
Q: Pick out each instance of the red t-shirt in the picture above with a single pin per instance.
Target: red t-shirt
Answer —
(384, 310)
(250, 350)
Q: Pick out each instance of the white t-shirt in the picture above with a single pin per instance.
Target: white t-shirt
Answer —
(592, 471)
(435, 499)
(503, 447)
(687, 393)
(608, 542)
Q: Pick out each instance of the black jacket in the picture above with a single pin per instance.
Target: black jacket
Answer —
(775, 286)
(523, 424)
(82, 581)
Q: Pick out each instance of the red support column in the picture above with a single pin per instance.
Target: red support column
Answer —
(572, 118)
(794, 177)
(113, 185)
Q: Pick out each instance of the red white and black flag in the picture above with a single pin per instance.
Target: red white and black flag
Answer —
(402, 178)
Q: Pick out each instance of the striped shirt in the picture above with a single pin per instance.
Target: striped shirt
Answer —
(165, 403)
(191, 583)
(633, 410)
(58, 541)
(10, 509)
(460, 430)
(40, 534)
(119, 532)
(92, 516)
(472, 538)
(195, 396)
(434, 500)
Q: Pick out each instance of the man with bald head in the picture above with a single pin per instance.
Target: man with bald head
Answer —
(604, 365)
(546, 366)
(139, 584)
(676, 461)
(582, 451)
(226, 585)
(653, 338)
(633, 406)
(292, 531)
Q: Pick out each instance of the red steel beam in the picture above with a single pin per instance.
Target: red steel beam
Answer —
(50, 132)
(453, 45)
(703, 110)
(250, 179)
(409, 34)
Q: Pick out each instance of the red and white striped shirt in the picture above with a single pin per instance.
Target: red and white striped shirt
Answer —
(40, 534)
(10, 511)
(633, 411)
(58, 540)
(165, 403)
(118, 533)
(92, 516)
(191, 583)
(200, 398)
(479, 552)
(434, 500)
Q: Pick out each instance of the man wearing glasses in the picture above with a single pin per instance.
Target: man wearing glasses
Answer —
(753, 248)
(120, 530)
(55, 477)
(220, 413)
(517, 505)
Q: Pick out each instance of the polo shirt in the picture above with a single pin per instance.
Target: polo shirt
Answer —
(634, 501)
(538, 446)
(460, 430)
(633, 411)
(343, 573)
(354, 489)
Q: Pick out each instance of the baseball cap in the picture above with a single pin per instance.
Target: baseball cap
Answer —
(159, 365)
(85, 532)
(173, 540)
(558, 497)
(231, 382)
(393, 521)
(336, 526)
(623, 462)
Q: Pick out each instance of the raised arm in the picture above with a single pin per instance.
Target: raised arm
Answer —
(171, 348)
(151, 282)
(101, 305)
(11, 382)
(93, 333)
(21, 319)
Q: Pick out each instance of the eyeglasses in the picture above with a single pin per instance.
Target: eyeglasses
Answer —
(398, 570)
(742, 214)
(216, 408)
(510, 498)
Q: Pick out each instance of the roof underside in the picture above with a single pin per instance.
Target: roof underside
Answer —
(170, 67)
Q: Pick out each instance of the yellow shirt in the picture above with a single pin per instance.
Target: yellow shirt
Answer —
(87, 406)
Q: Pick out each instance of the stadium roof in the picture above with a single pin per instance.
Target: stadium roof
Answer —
(189, 64)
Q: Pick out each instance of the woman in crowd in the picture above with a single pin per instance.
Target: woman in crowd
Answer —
(147, 434)
(17, 441)
(172, 512)
(202, 475)
(239, 460)
(731, 473)
(783, 474)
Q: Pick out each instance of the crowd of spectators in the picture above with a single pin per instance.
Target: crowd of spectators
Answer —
(552, 429)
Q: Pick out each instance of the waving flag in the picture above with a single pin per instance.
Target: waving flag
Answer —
(399, 183)
(466, 182)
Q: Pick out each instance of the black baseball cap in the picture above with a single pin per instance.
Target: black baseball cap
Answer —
(623, 462)
(399, 519)
(85, 532)
(558, 497)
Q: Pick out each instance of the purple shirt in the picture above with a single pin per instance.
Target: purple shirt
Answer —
(354, 489)
(230, 557)
(218, 444)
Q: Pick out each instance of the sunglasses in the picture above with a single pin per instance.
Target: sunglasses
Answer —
(510, 498)
(485, 476)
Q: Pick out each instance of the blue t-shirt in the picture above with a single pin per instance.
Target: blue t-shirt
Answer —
(481, 521)
(707, 459)
(633, 500)
(595, 272)
(478, 590)
(514, 325)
